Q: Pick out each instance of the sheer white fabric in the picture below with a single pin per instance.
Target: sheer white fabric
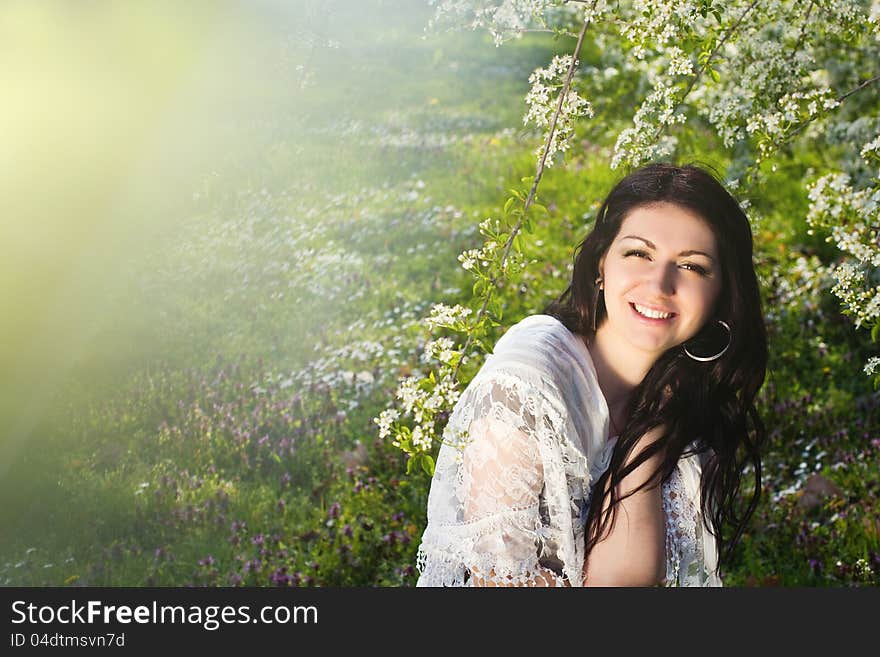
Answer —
(512, 482)
(691, 551)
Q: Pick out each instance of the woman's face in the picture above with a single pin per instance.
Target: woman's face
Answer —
(662, 276)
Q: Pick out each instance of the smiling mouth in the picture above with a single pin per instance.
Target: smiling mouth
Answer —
(650, 313)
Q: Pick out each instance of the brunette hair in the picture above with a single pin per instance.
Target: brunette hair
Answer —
(709, 404)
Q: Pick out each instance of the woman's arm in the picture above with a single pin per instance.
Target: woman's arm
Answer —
(503, 471)
(633, 553)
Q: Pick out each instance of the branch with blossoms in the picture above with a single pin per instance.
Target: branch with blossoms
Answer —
(851, 216)
(426, 400)
(755, 74)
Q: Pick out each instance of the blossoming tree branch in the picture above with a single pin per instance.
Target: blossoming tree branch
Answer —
(758, 76)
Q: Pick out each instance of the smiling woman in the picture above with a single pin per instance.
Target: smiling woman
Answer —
(622, 396)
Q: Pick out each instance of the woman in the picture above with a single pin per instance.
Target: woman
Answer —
(605, 441)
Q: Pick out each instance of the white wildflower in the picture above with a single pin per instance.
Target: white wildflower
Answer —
(409, 393)
(446, 316)
(385, 420)
(422, 439)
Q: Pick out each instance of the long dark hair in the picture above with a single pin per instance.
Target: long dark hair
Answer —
(710, 404)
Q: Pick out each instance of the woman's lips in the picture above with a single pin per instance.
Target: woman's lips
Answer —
(651, 320)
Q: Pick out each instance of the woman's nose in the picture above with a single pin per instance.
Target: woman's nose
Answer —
(663, 279)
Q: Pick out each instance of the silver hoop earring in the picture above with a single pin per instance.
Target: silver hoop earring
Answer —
(706, 359)
(598, 283)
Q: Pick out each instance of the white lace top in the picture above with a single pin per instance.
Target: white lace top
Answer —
(512, 483)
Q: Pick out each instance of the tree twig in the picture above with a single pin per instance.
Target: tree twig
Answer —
(538, 173)
(753, 169)
(803, 32)
(537, 30)
(715, 50)
(840, 99)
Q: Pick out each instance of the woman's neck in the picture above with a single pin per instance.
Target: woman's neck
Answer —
(619, 370)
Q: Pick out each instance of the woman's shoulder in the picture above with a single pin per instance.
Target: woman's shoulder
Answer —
(549, 322)
(541, 359)
(541, 349)
(544, 340)
(537, 329)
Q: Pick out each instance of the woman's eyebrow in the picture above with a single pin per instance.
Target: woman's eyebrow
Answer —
(683, 253)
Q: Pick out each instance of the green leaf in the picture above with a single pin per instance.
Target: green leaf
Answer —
(508, 205)
(517, 243)
(409, 464)
(428, 464)
(540, 208)
(715, 74)
(875, 332)
(494, 307)
(483, 345)
(481, 287)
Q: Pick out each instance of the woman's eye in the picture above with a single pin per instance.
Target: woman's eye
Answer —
(635, 252)
(702, 271)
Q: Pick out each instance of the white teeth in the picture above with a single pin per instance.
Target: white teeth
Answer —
(653, 314)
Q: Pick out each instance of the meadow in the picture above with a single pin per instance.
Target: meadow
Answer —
(212, 425)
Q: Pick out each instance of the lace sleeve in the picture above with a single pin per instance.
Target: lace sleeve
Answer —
(500, 506)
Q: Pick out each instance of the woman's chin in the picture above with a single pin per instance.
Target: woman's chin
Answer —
(651, 345)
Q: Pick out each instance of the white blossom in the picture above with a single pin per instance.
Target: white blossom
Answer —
(385, 419)
(421, 438)
(446, 316)
(543, 103)
(441, 349)
(408, 393)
